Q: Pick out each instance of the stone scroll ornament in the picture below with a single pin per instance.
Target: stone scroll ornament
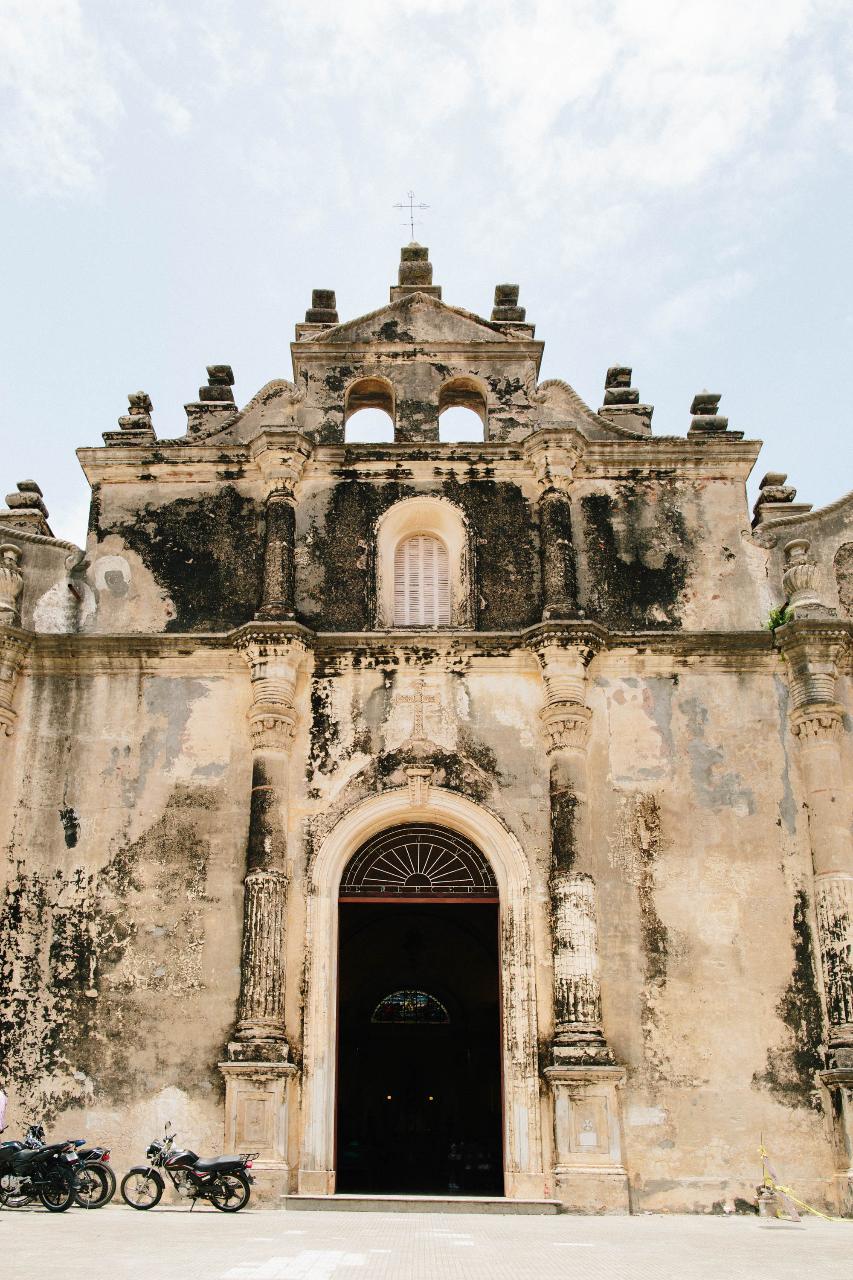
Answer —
(11, 585)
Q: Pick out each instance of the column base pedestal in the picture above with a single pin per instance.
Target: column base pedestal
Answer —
(581, 1046)
(258, 1102)
(838, 1082)
(589, 1176)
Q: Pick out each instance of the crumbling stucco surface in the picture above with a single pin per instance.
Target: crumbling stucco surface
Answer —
(146, 685)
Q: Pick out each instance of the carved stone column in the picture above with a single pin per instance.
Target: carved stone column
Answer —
(813, 649)
(279, 567)
(258, 1074)
(559, 575)
(554, 457)
(584, 1079)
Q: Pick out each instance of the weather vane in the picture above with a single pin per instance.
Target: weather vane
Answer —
(411, 206)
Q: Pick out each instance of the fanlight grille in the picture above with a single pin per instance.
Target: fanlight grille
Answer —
(418, 861)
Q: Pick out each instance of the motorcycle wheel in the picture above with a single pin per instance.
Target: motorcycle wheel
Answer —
(58, 1196)
(10, 1199)
(111, 1184)
(142, 1188)
(92, 1186)
(230, 1192)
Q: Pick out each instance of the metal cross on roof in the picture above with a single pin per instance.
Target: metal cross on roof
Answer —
(411, 206)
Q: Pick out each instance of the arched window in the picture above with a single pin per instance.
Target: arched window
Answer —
(423, 568)
(411, 1006)
(462, 411)
(421, 582)
(369, 411)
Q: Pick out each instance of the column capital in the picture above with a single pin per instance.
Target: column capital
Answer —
(817, 722)
(814, 653)
(553, 454)
(566, 726)
(273, 654)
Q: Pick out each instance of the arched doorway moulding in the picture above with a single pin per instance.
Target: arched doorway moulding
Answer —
(522, 1129)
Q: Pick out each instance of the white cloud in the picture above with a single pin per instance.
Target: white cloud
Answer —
(61, 101)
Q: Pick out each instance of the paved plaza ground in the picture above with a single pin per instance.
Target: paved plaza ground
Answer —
(167, 1243)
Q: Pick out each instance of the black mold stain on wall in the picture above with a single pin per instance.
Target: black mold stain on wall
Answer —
(341, 553)
(636, 566)
(205, 552)
(507, 570)
(92, 965)
(791, 1067)
(564, 806)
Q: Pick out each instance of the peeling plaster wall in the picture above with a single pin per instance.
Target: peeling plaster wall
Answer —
(120, 941)
(175, 556)
(709, 985)
(699, 853)
(662, 551)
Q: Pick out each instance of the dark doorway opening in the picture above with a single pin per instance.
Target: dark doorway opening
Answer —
(419, 1080)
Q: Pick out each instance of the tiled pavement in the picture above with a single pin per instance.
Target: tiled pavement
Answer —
(169, 1242)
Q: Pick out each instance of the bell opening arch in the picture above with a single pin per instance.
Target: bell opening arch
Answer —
(523, 1172)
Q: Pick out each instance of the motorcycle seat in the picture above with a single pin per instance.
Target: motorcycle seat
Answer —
(218, 1164)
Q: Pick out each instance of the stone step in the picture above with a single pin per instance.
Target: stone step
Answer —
(348, 1203)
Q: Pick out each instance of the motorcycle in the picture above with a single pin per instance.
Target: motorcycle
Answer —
(223, 1180)
(96, 1182)
(47, 1173)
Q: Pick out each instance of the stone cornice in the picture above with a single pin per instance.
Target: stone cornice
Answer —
(742, 650)
(175, 460)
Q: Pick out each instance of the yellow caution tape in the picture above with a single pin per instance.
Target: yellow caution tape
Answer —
(768, 1179)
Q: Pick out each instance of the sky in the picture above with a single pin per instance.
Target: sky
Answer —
(669, 182)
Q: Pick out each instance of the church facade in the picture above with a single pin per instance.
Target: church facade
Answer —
(457, 818)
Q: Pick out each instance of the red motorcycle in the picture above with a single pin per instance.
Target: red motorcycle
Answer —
(223, 1180)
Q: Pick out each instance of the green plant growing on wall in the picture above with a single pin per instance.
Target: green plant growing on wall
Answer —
(778, 618)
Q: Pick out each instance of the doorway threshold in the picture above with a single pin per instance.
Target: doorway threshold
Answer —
(351, 1203)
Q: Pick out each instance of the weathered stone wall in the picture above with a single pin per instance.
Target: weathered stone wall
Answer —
(830, 535)
(130, 933)
(175, 556)
(124, 841)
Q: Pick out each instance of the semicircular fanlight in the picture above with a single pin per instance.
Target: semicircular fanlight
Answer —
(409, 1007)
(418, 861)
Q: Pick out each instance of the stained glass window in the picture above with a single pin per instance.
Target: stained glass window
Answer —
(410, 1006)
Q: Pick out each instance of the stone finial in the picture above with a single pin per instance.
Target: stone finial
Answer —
(26, 510)
(414, 274)
(622, 402)
(215, 404)
(506, 309)
(323, 309)
(11, 584)
(617, 386)
(220, 380)
(706, 421)
(135, 425)
(776, 498)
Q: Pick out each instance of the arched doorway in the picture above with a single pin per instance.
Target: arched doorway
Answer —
(419, 1079)
(524, 1175)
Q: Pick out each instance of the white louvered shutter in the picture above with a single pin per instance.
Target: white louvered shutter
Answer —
(421, 583)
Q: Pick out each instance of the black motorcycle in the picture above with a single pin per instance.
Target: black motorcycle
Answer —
(46, 1173)
(96, 1182)
(223, 1180)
